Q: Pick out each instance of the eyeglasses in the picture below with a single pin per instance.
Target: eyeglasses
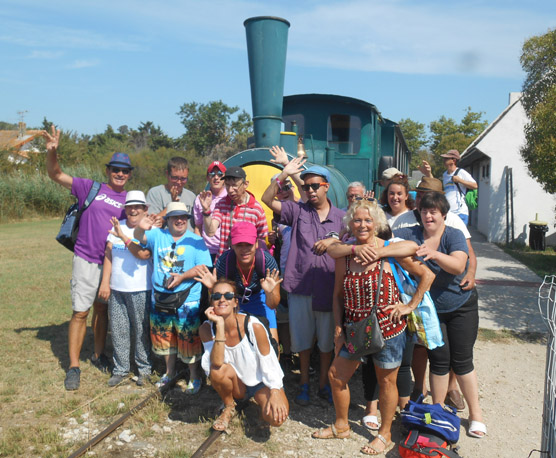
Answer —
(246, 295)
(118, 170)
(370, 199)
(313, 186)
(217, 296)
(354, 196)
(215, 174)
(181, 179)
(233, 185)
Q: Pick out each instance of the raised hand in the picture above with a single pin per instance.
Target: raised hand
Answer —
(279, 154)
(175, 193)
(270, 281)
(206, 277)
(147, 222)
(295, 166)
(52, 138)
(117, 228)
(369, 195)
(205, 199)
(425, 169)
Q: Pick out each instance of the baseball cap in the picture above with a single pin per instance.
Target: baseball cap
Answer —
(317, 170)
(428, 184)
(218, 165)
(452, 154)
(390, 173)
(120, 160)
(235, 172)
(243, 232)
(177, 209)
(135, 198)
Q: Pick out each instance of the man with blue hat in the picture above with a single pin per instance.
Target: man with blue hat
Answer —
(309, 273)
(178, 257)
(89, 251)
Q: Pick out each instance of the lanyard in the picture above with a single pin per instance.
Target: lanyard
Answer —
(247, 280)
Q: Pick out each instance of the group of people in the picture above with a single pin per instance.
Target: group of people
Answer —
(154, 264)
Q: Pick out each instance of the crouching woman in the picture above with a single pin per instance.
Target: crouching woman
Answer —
(240, 364)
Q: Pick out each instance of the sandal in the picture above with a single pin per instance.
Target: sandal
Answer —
(369, 420)
(332, 433)
(222, 422)
(455, 399)
(477, 427)
(370, 449)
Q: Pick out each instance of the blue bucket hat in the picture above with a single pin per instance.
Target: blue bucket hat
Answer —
(120, 160)
(317, 170)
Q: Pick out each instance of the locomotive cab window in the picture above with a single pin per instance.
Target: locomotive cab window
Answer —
(344, 133)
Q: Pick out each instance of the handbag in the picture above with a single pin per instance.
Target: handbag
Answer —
(67, 235)
(169, 303)
(422, 322)
(434, 418)
(365, 337)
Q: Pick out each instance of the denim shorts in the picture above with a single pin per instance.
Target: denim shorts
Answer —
(251, 390)
(389, 357)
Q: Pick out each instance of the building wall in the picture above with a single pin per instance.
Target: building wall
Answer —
(502, 145)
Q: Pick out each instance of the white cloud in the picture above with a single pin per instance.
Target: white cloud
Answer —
(45, 54)
(84, 63)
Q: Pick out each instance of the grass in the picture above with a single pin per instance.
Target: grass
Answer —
(541, 262)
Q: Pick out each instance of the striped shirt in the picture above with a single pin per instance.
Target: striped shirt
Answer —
(252, 212)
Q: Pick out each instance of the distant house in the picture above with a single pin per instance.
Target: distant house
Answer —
(495, 162)
(17, 142)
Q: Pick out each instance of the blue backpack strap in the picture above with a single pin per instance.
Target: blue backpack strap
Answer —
(231, 267)
(260, 263)
(95, 188)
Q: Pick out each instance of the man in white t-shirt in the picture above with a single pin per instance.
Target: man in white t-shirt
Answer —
(456, 183)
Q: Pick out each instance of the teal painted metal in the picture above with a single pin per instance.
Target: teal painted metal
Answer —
(267, 41)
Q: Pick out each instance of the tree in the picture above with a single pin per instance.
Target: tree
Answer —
(539, 100)
(211, 126)
(416, 139)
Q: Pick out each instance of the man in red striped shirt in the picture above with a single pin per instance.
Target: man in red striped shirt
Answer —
(239, 205)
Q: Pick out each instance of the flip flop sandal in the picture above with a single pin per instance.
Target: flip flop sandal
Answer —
(476, 427)
(370, 419)
(222, 422)
(369, 449)
(331, 433)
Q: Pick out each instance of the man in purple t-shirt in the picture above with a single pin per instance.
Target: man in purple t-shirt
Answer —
(89, 251)
(309, 273)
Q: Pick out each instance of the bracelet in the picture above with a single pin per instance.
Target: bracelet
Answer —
(220, 340)
(279, 183)
(353, 249)
(207, 213)
(127, 242)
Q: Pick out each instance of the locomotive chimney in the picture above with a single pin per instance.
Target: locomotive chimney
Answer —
(267, 41)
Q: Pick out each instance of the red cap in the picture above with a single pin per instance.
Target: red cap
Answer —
(218, 165)
(244, 232)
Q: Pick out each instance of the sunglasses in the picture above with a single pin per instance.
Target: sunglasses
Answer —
(118, 170)
(217, 296)
(313, 186)
(246, 295)
(181, 179)
(215, 174)
(370, 199)
(286, 187)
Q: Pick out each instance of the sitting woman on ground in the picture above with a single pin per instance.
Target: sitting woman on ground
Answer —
(396, 199)
(254, 271)
(240, 364)
(355, 291)
(444, 250)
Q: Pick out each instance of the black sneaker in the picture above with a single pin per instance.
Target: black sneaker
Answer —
(73, 378)
(116, 380)
(102, 363)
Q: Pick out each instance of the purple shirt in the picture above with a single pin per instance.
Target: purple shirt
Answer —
(212, 243)
(306, 273)
(95, 221)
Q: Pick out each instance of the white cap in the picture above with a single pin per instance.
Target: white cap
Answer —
(135, 198)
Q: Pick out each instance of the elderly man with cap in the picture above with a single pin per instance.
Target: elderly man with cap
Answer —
(178, 257)
(126, 284)
(238, 205)
(215, 179)
(177, 174)
(309, 276)
(89, 252)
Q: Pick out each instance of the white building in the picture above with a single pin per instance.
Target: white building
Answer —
(495, 162)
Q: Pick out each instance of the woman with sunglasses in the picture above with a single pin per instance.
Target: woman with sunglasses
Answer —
(253, 270)
(356, 289)
(396, 199)
(240, 366)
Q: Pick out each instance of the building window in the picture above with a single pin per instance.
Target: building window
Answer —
(344, 133)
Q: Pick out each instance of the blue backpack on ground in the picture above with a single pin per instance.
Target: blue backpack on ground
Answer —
(432, 418)
(67, 235)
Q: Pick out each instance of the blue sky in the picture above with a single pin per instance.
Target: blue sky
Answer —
(85, 64)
